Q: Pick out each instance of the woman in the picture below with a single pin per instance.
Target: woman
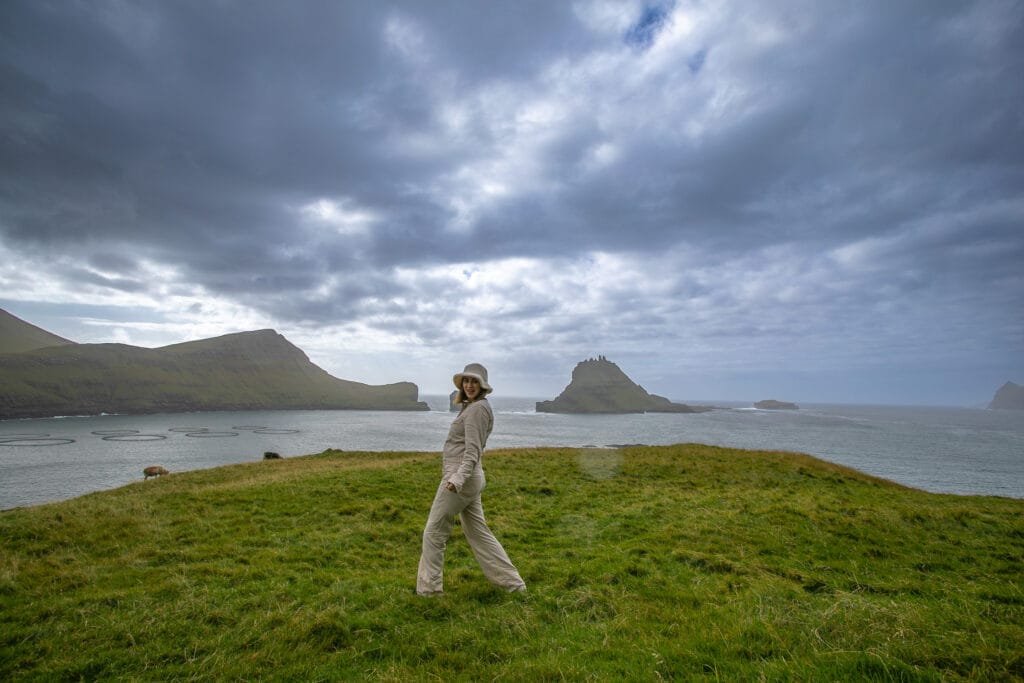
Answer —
(462, 482)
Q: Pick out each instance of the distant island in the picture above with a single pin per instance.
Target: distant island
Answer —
(258, 370)
(1010, 396)
(772, 404)
(599, 386)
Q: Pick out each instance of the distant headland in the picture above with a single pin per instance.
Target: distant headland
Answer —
(1010, 396)
(599, 386)
(44, 375)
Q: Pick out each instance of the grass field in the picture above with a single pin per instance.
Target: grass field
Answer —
(646, 563)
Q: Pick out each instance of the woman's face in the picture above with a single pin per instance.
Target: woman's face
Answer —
(471, 387)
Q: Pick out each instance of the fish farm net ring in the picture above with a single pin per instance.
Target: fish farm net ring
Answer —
(35, 441)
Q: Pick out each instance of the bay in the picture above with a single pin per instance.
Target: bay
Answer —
(944, 450)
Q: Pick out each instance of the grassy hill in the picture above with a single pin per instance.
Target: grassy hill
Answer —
(258, 370)
(645, 563)
(16, 335)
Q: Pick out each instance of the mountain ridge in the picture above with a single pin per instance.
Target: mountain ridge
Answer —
(257, 370)
(17, 335)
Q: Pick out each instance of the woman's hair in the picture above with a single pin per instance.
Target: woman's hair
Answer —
(462, 399)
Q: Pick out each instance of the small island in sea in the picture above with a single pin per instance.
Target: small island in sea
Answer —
(772, 404)
(1010, 396)
(44, 375)
(599, 386)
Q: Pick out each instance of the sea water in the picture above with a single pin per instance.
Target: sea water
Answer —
(944, 450)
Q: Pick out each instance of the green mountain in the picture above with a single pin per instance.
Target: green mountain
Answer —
(1010, 396)
(599, 386)
(258, 370)
(16, 335)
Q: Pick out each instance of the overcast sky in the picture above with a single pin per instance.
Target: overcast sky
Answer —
(803, 200)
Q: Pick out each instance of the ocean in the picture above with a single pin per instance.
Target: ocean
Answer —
(943, 450)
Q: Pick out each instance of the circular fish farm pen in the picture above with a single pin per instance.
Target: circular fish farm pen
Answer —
(35, 441)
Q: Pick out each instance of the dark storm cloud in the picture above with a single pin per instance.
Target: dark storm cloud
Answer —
(184, 128)
(172, 122)
(299, 158)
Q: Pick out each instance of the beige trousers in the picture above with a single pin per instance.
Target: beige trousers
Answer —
(491, 557)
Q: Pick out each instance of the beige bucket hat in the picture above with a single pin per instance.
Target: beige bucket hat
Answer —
(474, 370)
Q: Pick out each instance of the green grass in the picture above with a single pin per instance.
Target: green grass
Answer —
(645, 563)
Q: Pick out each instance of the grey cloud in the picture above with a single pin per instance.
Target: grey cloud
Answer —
(267, 114)
(120, 284)
(113, 262)
(191, 135)
(513, 39)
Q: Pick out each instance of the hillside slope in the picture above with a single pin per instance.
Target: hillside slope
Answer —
(258, 370)
(16, 335)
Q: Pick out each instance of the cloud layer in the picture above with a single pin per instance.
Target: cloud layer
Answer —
(726, 199)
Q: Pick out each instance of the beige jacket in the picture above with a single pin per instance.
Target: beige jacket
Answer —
(464, 446)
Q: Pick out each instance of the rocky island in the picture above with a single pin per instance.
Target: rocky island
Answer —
(1010, 396)
(772, 404)
(258, 370)
(599, 386)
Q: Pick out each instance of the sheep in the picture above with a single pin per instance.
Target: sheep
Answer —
(154, 471)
